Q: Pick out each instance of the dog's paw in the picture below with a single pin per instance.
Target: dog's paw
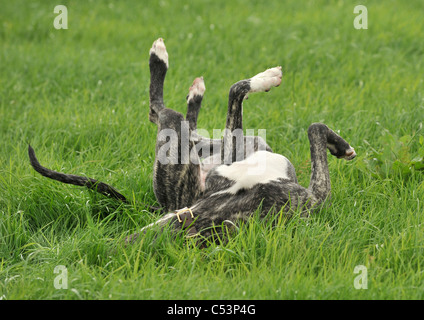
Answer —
(341, 150)
(197, 89)
(349, 155)
(159, 49)
(264, 81)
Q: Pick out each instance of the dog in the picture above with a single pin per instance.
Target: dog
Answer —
(223, 181)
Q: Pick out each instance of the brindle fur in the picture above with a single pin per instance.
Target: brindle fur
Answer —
(213, 208)
(179, 185)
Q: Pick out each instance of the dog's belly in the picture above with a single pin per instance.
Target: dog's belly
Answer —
(261, 167)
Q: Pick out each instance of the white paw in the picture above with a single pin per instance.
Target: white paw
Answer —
(264, 81)
(159, 49)
(197, 88)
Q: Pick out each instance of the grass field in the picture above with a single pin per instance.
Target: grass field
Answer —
(80, 97)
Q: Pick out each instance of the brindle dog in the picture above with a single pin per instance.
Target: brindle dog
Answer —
(224, 180)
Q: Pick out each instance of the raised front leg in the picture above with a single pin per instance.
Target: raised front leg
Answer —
(232, 148)
(158, 64)
(194, 101)
(322, 138)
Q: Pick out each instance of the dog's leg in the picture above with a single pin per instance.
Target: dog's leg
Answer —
(194, 101)
(322, 138)
(158, 64)
(262, 82)
(176, 180)
(205, 147)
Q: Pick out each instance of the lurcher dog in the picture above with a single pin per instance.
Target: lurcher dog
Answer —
(203, 183)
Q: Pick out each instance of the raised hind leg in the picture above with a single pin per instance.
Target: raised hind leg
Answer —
(176, 180)
(158, 64)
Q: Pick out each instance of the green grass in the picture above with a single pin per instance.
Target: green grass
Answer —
(80, 97)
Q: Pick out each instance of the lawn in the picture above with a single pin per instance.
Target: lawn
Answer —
(80, 97)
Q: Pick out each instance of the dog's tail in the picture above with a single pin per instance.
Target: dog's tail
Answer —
(98, 186)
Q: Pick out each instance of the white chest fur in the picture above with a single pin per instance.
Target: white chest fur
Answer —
(260, 167)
